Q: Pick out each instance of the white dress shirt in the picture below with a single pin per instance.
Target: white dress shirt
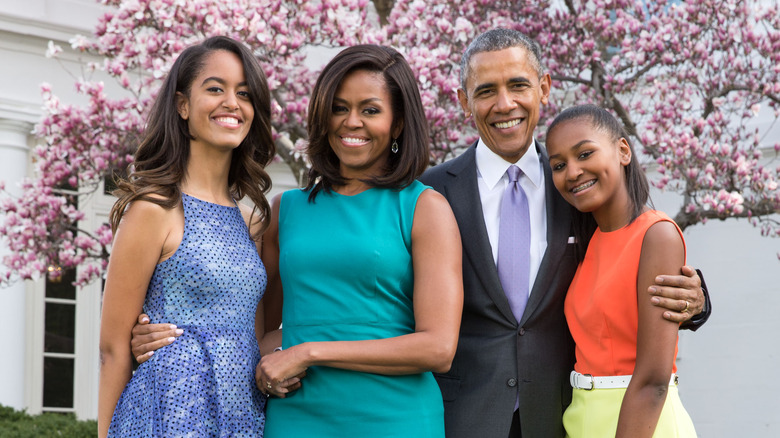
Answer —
(492, 181)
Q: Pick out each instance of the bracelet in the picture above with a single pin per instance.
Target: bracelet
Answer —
(279, 348)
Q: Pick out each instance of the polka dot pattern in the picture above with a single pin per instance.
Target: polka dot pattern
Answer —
(202, 385)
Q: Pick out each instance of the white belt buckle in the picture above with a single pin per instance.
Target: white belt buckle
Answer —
(575, 381)
(592, 382)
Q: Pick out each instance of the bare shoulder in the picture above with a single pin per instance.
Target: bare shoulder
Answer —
(148, 212)
(662, 233)
(432, 200)
(663, 245)
(433, 212)
(153, 226)
(276, 200)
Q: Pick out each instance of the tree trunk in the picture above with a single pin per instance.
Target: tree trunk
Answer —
(383, 8)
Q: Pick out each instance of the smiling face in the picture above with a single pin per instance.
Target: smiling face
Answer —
(503, 93)
(361, 125)
(588, 167)
(218, 109)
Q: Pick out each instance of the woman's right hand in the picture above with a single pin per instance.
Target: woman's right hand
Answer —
(147, 338)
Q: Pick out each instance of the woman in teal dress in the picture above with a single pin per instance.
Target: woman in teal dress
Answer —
(370, 264)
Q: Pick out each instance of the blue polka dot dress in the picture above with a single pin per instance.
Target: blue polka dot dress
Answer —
(202, 385)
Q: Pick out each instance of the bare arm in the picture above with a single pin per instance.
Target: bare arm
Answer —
(662, 251)
(438, 302)
(139, 244)
(272, 300)
(269, 312)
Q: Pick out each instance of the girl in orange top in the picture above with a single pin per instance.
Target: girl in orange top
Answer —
(624, 381)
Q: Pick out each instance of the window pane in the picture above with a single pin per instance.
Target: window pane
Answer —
(62, 287)
(57, 383)
(60, 328)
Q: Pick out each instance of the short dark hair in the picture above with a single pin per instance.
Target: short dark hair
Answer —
(636, 180)
(162, 156)
(412, 157)
(499, 39)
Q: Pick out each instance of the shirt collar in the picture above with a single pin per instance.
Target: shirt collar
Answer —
(492, 167)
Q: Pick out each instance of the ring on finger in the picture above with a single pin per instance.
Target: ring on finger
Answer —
(687, 306)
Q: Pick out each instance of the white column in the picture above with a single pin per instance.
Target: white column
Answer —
(13, 168)
(96, 208)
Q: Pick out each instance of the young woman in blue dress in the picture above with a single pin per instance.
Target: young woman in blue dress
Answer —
(184, 251)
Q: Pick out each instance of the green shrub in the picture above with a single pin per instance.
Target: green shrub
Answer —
(17, 424)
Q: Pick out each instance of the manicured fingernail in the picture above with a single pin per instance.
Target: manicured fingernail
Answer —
(179, 332)
(144, 319)
(171, 339)
(173, 327)
(150, 354)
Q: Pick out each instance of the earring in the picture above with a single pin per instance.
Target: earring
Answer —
(394, 147)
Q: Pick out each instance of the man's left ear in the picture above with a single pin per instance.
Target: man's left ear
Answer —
(624, 150)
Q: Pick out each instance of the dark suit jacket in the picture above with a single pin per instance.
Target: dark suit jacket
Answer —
(497, 357)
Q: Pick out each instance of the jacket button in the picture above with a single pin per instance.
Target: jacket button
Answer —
(521, 331)
(511, 382)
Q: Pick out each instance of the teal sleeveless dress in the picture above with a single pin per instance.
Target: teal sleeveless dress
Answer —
(346, 266)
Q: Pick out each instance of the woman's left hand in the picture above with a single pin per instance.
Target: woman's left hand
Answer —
(280, 373)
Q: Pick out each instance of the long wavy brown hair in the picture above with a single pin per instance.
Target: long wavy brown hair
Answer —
(161, 159)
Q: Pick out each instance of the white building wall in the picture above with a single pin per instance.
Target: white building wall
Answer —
(25, 29)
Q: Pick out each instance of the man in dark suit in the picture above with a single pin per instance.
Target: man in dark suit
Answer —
(510, 377)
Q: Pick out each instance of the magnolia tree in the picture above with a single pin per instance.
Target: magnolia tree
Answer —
(687, 79)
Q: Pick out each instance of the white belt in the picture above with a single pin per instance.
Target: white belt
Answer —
(588, 382)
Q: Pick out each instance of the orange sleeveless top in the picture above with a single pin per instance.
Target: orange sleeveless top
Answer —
(601, 305)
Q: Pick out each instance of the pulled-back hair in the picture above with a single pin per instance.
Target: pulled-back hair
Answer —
(500, 39)
(412, 157)
(636, 180)
(161, 159)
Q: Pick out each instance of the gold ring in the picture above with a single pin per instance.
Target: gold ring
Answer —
(687, 305)
(268, 385)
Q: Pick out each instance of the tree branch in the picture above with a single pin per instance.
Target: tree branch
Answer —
(764, 208)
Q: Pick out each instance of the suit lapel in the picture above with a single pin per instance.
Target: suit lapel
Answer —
(463, 194)
(558, 230)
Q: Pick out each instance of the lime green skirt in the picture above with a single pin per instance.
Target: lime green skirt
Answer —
(595, 414)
